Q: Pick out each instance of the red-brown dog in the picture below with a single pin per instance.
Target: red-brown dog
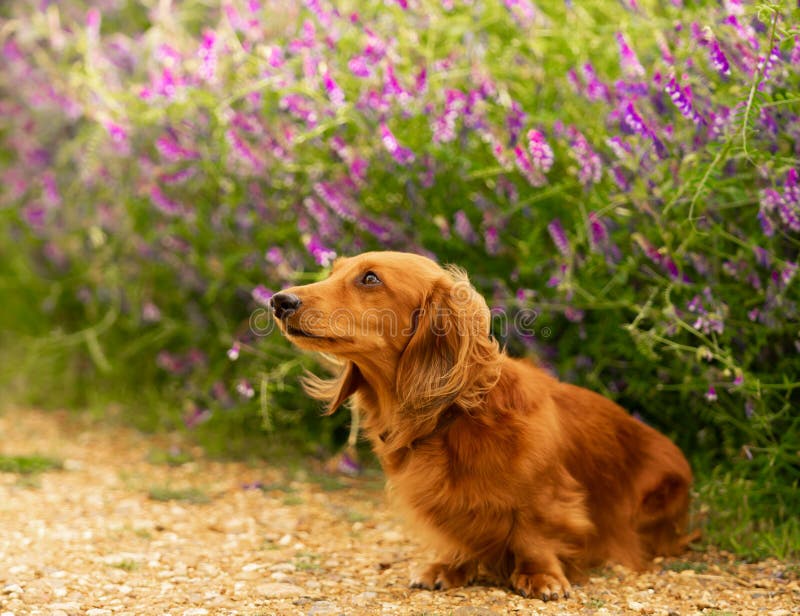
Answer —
(502, 465)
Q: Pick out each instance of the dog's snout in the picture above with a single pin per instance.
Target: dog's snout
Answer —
(284, 304)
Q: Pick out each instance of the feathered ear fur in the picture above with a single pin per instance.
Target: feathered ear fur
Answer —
(336, 390)
(451, 358)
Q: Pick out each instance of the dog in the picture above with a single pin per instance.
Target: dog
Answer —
(504, 467)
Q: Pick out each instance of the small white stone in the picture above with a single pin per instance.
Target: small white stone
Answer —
(98, 611)
(285, 540)
(195, 611)
(252, 567)
(10, 589)
(393, 536)
(280, 590)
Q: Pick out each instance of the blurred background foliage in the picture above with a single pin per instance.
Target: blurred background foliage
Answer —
(621, 177)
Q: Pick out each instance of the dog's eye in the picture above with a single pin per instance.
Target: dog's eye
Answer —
(370, 279)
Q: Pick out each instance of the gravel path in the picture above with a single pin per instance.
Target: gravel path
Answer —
(119, 531)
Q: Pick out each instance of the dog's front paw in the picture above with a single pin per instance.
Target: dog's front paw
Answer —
(543, 585)
(441, 576)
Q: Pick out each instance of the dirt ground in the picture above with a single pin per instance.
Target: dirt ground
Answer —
(120, 530)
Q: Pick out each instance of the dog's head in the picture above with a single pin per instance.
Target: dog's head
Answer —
(398, 321)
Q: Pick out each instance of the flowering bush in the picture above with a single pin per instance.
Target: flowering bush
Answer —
(625, 174)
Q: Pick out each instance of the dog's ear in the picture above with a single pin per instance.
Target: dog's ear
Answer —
(336, 390)
(451, 357)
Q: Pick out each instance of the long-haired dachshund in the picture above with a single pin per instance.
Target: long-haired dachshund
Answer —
(501, 464)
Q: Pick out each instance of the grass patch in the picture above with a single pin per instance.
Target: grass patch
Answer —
(28, 465)
(169, 457)
(685, 565)
(733, 517)
(277, 487)
(292, 501)
(194, 496)
(126, 565)
(356, 516)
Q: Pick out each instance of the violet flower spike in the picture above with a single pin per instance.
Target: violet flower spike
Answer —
(718, 59)
(540, 151)
(559, 237)
(630, 63)
(401, 154)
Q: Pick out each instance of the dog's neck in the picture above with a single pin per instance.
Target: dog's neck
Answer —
(389, 427)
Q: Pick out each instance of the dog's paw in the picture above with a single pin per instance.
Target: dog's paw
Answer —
(542, 585)
(441, 576)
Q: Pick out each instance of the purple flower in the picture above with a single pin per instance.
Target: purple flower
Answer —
(630, 63)
(119, 136)
(233, 352)
(540, 151)
(172, 151)
(164, 203)
(524, 164)
(335, 93)
(421, 82)
(195, 416)
(336, 200)
(275, 256)
(596, 90)
(597, 231)
(402, 155)
(767, 226)
(767, 64)
(794, 57)
(243, 150)
(208, 55)
(261, 295)
(683, 100)
(463, 227)
(244, 389)
(522, 11)
(515, 120)
(300, 107)
(590, 167)
(559, 237)
(322, 255)
(491, 240)
(444, 126)
(360, 66)
(791, 190)
(718, 59)
(711, 394)
(634, 121)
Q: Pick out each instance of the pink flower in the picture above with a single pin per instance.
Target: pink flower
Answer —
(402, 155)
(630, 63)
(335, 93)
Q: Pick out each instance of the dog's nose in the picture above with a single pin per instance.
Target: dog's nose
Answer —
(284, 304)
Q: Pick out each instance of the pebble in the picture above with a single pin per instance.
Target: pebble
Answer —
(471, 610)
(364, 598)
(393, 536)
(98, 611)
(10, 589)
(285, 540)
(195, 611)
(279, 590)
(324, 608)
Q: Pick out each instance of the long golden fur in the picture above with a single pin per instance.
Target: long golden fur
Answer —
(503, 466)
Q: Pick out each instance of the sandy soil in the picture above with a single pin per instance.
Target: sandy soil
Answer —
(119, 531)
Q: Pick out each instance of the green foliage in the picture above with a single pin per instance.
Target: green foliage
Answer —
(28, 465)
(194, 496)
